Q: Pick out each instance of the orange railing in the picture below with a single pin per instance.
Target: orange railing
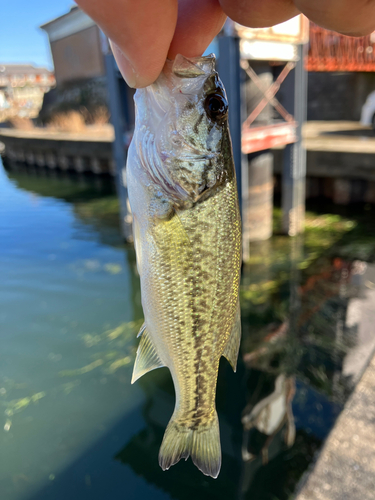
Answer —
(330, 51)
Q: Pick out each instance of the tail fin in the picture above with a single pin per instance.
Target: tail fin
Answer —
(201, 443)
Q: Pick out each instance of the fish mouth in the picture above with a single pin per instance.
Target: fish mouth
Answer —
(180, 76)
(190, 67)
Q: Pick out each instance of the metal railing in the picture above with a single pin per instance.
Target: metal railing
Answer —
(331, 51)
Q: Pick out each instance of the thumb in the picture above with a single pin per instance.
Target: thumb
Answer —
(140, 32)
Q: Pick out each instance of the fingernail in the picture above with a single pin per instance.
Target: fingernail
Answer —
(127, 70)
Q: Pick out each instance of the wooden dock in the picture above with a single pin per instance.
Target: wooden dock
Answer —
(340, 161)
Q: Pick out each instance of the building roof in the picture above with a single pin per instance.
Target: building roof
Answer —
(72, 22)
(48, 23)
(20, 69)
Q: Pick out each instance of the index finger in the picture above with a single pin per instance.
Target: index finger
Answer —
(199, 21)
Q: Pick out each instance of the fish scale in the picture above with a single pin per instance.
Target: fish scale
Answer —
(187, 232)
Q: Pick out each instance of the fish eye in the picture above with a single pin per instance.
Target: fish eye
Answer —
(216, 106)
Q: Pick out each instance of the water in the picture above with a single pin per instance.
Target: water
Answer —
(72, 426)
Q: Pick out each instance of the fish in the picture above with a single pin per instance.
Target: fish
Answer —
(187, 234)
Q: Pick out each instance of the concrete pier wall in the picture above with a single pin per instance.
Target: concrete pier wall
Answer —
(85, 152)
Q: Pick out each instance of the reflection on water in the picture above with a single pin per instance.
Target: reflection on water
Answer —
(72, 426)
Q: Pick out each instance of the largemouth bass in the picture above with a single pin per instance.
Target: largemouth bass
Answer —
(187, 234)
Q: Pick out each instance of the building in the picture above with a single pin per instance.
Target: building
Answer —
(80, 71)
(22, 88)
(21, 75)
(75, 46)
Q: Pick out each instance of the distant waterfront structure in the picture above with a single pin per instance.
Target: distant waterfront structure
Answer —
(341, 74)
(79, 65)
(22, 87)
(20, 75)
(75, 46)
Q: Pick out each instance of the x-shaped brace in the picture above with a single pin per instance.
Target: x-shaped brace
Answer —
(269, 93)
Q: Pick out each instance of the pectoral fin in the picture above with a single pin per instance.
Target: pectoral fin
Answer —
(233, 345)
(142, 330)
(137, 244)
(147, 358)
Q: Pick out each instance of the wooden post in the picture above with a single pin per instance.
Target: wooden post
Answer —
(294, 171)
(232, 77)
(119, 154)
(257, 212)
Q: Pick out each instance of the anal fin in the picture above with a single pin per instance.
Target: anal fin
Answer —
(233, 345)
(147, 358)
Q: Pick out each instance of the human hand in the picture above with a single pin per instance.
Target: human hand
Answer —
(144, 33)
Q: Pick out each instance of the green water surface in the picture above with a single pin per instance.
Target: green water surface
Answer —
(71, 425)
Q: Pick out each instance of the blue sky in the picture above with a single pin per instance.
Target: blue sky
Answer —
(21, 40)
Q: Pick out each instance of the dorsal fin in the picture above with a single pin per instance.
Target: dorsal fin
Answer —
(233, 345)
(147, 358)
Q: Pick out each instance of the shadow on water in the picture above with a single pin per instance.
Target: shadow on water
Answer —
(92, 197)
(307, 309)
